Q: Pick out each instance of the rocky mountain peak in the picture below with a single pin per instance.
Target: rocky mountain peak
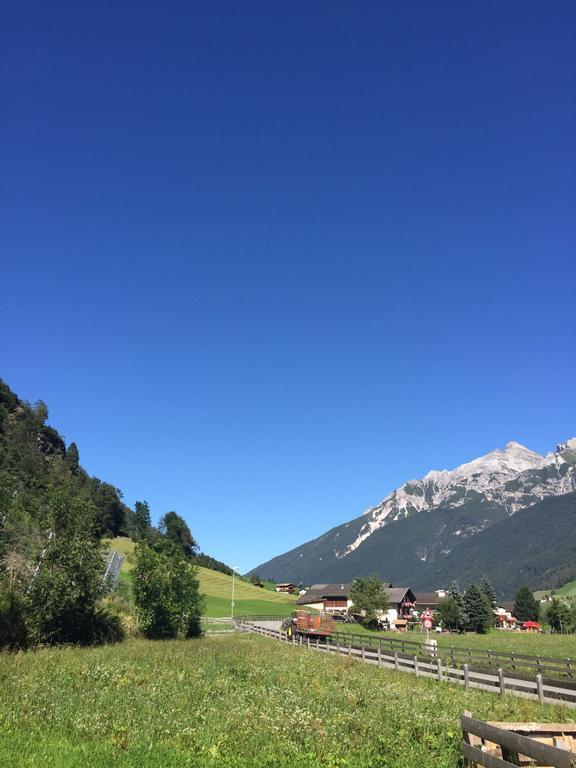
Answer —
(509, 476)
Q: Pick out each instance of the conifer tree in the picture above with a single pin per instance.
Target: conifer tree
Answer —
(488, 591)
(142, 521)
(526, 607)
(73, 458)
(458, 597)
(478, 611)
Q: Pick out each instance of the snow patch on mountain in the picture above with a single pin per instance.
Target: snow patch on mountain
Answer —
(514, 477)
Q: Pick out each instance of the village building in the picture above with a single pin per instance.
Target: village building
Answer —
(285, 587)
(402, 604)
(504, 618)
(333, 598)
(430, 600)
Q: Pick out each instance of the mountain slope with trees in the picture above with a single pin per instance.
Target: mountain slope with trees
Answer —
(54, 518)
(429, 532)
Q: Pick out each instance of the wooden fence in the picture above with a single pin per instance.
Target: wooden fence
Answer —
(551, 668)
(221, 625)
(547, 666)
(501, 682)
(505, 745)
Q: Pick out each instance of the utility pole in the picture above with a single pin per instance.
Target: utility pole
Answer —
(232, 602)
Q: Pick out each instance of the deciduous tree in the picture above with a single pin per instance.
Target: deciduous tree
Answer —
(450, 615)
(166, 594)
(368, 597)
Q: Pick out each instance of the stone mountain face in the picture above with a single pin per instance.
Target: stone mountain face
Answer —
(408, 535)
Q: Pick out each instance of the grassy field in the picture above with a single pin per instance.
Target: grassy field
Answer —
(560, 646)
(231, 702)
(217, 587)
(568, 590)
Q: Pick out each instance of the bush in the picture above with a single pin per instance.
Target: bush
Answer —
(107, 626)
(166, 594)
(14, 633)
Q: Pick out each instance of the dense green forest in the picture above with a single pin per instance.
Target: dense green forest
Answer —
(34, 458)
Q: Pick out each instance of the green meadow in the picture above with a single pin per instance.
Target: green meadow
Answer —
(231, 702)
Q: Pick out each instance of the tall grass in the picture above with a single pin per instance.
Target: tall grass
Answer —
(231, 702)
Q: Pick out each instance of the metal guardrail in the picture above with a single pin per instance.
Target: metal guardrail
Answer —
(500, 683)
(112, 571)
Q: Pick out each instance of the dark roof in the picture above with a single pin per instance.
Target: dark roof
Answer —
(285, 584)
(397, 594)
(319, 592)
(430, 598)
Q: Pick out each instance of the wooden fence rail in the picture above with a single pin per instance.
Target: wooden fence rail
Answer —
(503, 745)
(501, 683)
(553, 668)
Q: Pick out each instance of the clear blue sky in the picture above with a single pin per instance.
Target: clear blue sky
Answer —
(266, 261)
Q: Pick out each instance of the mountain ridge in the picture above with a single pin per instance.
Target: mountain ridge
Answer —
(418, 524)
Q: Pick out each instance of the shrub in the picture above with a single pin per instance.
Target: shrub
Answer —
(107, 626)
(14, 632)
(166, 594)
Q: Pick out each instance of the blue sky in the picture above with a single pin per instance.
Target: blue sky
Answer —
(267, 261)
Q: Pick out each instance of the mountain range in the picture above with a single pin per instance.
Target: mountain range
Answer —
(509, 515)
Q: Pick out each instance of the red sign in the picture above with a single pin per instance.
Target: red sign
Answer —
(427, 623)
(426, 615)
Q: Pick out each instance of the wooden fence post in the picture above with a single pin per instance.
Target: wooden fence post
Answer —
(540, 688)
(466, 677)
(380, 655)
(416, 665)
(501, 681)
(440, 677)
(349, 649)
(396, 662)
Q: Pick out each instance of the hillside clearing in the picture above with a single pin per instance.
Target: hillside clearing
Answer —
(217, 587)
(231, 702)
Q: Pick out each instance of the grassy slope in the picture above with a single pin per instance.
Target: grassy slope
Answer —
(231, 702)
(218, 589)
(568, 590)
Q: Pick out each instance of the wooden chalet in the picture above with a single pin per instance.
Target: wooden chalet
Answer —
(430, 600)
(327, 597)
(402, 601)
(285, 587)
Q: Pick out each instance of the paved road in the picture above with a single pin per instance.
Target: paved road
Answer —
(276, 624)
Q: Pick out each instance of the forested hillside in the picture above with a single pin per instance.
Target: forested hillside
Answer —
(54, 518)
(34, 459)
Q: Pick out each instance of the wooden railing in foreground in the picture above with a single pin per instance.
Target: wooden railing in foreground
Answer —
(503, 745)
(501, 682)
